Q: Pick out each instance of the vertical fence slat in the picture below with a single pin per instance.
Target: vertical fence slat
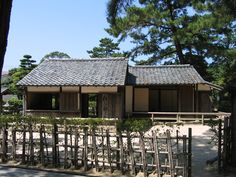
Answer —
(14, 143)
(31, 143)
(143, 153)
(170, 154)
(54, 145)
(85, 150)
(95, 149)
(76, 148)
(23, 145)
(122, 162)
(108, 149)
(189, 152)
(41, 148)
(65, 147)
(156, 155)
(131, 153)
(4, 143)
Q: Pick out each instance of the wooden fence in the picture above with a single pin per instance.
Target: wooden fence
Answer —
(184, 116)
(84, 148)
(224, 144)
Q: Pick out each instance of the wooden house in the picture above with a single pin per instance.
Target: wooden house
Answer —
(109, 87)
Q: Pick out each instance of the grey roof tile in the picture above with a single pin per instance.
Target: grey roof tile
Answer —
(70, 72)
(163, 75)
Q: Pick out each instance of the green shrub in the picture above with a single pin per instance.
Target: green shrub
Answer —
(134, 125)
(15, 105)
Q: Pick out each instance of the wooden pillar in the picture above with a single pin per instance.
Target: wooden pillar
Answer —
(60, 99)
(179, 98)
(80, 101)
(195, 100)
(25, 101)
(233, 122)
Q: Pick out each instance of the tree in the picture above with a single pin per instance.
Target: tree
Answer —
(5, 13)
(16, 74)
(106, 48)
(181, 31)
(56, 55)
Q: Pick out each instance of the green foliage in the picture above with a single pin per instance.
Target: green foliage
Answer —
(180, 31)
(134, 125)
(106, 48)
(91, 122)
(16, 74)
(56, 55)
(15, 105)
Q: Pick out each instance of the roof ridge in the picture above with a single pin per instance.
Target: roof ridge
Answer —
(87, 59)
(161, 66)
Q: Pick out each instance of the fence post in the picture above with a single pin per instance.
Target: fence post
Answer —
(23, 145)
(156, 155)
(202, 119)
(31, 144)
(54, 145)
(76, 148)
(41, 145)
(95, 149)
(170, 154)
(189, 152)
(143, 153)
(121, 153)
(108, 149)
(4, 143)
(85, 154)
(14, 143)
(219, 145)
(65, 146)
(131, 153)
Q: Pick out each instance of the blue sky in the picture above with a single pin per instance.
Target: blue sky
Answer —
(39, 27)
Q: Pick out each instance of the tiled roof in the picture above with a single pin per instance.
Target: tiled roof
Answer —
(71, 72)
(163, 75)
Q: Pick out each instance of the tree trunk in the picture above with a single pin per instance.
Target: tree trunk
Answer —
(176, 41)
(5, 13)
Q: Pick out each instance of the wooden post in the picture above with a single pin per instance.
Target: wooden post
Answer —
(143, 153)
(103, 151)
(45, 142)
(54, 145)
(170, 154)
(122, 162)
(108, 149)
(14, 143)
(189, 152)
(156, 155)
(23, 145)
(185, 156)
(131, 153)
(219, 145)
(117, 151)
(65, 147)
(76, 148)
(202, 119)
(95, 149)
(31, 144)
(85, 152)
(4, 143)
(41, 145)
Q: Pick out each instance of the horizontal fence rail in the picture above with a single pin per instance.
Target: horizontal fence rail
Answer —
(71, 146)
(184, 116)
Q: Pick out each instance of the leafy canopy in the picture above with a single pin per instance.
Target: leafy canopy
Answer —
(106, 48)
(56, 55)
(181, 31)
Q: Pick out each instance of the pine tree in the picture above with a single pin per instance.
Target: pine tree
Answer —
(181, 31)
(106, 48)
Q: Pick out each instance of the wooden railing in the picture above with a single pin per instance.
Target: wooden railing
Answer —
(184, 116)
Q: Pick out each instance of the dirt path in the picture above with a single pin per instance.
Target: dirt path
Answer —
(202, 151)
